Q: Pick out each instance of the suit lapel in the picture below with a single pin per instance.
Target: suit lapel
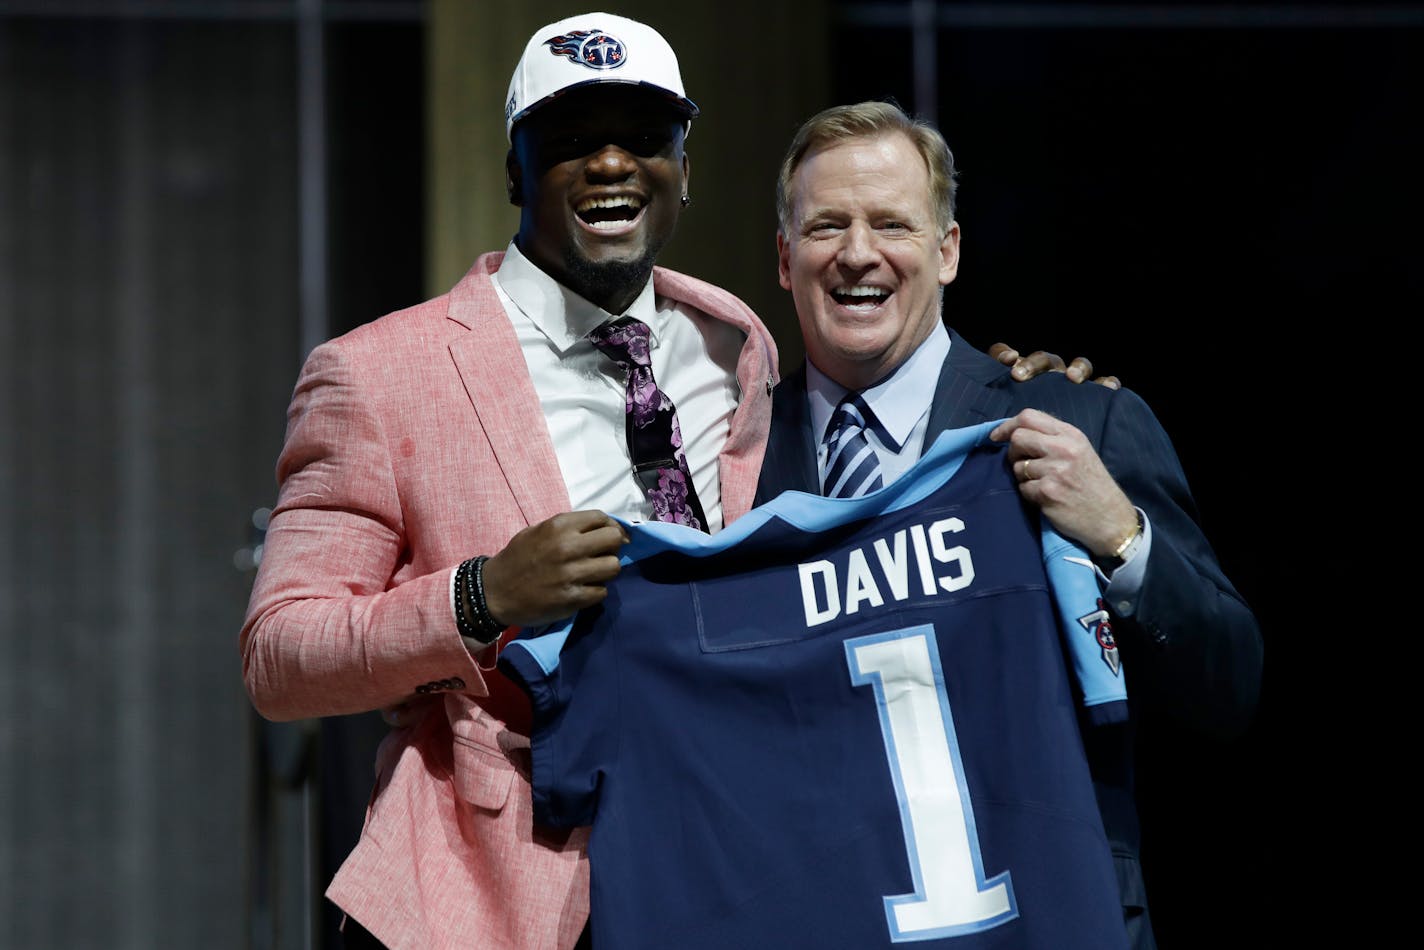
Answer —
(971, 389)
(491, 366)
(791, 448)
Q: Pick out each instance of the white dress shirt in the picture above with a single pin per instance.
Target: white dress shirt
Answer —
(582, 392)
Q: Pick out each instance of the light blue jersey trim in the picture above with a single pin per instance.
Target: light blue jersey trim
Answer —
(545, 644)
(807, 512)
(1081, 617)
(1070, 571)
(815, 513)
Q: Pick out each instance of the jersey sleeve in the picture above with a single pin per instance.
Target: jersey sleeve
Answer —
(1086, 628)
(573, 694)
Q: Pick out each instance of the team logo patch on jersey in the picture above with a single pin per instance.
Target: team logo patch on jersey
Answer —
(1099, 624)
(592, 48)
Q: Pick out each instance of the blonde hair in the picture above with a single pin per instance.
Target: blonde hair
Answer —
(868, 120)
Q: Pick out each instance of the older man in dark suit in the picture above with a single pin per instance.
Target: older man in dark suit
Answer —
(867, 242)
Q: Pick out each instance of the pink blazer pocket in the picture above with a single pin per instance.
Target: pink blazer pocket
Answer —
(482, 775)
(487, 754)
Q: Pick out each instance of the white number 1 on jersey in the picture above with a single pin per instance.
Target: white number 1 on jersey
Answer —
(951, 894)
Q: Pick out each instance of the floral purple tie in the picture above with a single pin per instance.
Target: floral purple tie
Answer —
(654, 438)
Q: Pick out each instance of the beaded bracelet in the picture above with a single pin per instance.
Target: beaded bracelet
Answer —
(467, 629)
(470, 592)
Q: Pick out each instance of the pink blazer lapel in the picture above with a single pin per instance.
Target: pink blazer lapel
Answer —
(740, 461)
(502, 394)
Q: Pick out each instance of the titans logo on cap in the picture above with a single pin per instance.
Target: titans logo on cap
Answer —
(592, 48)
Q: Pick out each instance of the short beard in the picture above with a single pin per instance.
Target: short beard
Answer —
(605, 282)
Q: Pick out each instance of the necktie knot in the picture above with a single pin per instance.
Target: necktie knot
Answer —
(624, 341)
(852, 467)
(851, 412)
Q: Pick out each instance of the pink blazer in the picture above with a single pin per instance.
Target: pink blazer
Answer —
(415, 442)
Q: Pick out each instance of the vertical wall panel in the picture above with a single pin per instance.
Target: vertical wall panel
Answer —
(147, 350)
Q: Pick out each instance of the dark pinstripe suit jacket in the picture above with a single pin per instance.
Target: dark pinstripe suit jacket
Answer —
(1192, 649)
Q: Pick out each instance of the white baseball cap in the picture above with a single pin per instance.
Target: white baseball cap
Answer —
(593, 48)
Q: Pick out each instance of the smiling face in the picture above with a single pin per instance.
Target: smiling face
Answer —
(598, 174)
(863, 256)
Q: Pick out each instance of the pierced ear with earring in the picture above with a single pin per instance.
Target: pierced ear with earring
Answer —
(513, 178)
(686, 200)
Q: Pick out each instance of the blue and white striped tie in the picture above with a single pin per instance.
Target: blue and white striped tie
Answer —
(852, 467)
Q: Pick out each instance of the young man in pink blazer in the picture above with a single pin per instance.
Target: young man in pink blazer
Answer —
(448, 475)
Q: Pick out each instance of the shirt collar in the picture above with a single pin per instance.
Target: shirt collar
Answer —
(558, 312)
(899, 401)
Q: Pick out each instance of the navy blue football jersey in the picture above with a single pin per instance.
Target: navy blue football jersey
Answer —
(839, 723)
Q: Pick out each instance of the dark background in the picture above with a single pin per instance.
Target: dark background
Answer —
(1226, 216)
